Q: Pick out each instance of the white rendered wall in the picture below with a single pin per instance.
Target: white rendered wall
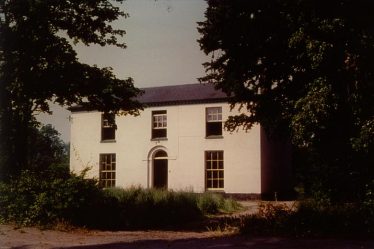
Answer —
(185, 145)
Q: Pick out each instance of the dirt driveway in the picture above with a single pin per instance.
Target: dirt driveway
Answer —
(33, 238)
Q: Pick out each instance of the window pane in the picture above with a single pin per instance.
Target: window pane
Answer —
(159, 119)
(213, 129)
(220, 164)
(209, 174)
(159, 133)
(221, 184)
(221, 174)
(215, 174)
(215, 184)
(214, 114)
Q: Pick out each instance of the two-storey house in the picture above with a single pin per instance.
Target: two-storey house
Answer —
(177, 142)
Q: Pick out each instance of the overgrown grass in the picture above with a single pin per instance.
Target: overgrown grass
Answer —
(155, 207)
(44, 199)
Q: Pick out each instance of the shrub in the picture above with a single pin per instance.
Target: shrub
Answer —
(41, 199)
(311, 218)
(213, 203)
(50, 198)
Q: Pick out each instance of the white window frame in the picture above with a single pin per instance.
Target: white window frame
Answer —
(159, 121)
(214, 114)
(213, 125)
(105, 125)
(107, 168)
(212, 166)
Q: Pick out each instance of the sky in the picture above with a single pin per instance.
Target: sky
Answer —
(162, 49)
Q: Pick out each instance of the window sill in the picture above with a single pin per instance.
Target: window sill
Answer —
(159, 139)
(108, 141)
(218, 191)
(214, 137)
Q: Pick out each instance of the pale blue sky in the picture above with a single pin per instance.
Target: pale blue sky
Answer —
(161, 49)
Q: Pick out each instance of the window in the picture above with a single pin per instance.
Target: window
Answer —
(214, 170)
(107, 176)
(108, 127)
(213, 121)
(159, 124)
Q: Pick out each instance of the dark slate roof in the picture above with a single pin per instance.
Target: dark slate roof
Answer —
(181, 94)
(177, 95)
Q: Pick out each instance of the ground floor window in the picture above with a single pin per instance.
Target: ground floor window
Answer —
(214, 179)
(107, 176)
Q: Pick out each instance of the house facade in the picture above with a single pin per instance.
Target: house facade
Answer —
(177, 142)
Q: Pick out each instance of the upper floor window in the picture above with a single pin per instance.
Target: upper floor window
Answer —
(159, 124)
(108, 127)
(213, 121)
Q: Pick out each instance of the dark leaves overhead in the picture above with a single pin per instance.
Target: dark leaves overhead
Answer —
(303, 69)
(40, 63)
(271, 54)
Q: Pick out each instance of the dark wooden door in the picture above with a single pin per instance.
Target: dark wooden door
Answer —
(160, 173)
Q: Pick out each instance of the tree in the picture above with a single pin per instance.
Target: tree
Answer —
(39, 65)
(46, 150)
(303, 69)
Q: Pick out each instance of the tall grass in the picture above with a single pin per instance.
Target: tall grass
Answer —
(35, 199)
(154, 207)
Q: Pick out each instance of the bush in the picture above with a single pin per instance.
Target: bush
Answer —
(50, 198)
(311, 218)
(212, 203)
(42, 199)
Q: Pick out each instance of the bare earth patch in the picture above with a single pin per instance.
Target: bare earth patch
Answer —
(33, 238)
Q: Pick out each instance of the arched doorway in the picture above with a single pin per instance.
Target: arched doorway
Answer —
(160, 170)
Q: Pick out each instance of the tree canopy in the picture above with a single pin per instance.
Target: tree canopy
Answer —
(38, 65)
(46, 150)
(303, 69)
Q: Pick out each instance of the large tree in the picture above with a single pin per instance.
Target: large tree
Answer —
(303, 69)
(38, 65)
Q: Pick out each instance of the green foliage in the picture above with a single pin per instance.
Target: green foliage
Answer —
(211, 203)
(311, 218)
(270, 220)
(49, 198)
(141, 208)
(44, 199)
(303, 70)
(46, 149)
(38, 65)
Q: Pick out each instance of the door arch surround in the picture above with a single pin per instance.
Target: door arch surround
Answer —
(158, 168)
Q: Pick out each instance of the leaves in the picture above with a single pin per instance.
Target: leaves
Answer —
(38, 65)
(303, 69)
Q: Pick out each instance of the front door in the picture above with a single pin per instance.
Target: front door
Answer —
(160, 170)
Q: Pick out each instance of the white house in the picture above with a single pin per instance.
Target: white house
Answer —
(177, 142)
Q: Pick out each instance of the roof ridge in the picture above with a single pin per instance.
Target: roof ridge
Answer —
(179, 85)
